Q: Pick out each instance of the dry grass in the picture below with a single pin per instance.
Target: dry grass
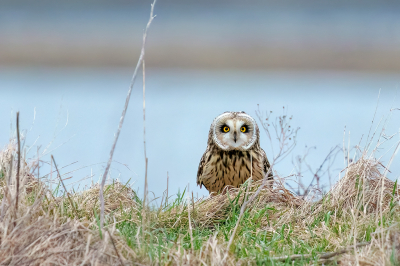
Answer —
(118, 198)
(41, 233)
(46, 231)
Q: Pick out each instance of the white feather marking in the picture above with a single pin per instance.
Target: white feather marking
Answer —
(226, 140)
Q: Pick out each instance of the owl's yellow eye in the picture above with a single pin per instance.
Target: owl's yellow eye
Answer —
(243, 129)
(226, 129)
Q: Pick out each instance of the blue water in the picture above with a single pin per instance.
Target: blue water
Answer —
(79, 109)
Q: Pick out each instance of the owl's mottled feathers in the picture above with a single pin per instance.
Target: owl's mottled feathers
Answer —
(222, 166)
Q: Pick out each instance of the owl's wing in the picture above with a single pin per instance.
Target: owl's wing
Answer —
(201, 167)
(266, 164)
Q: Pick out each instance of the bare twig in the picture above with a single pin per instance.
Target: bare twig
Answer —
(65, 189)
(193, 205)
(38, 167)
(316, 174)
(325, 255)
(355, 235)
(190, 227)
(161, 204)
(283, 133)
(144, 108)
(18, 166)
(243, 209)
(116, 250)
(145, 155)
(369, 141)
(144, 201)
(166, 199)
(121, 121)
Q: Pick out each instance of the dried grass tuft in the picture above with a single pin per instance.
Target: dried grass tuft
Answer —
(39, 234)
(118, 200)
(360, 188)
(377, 253)
(47, 241)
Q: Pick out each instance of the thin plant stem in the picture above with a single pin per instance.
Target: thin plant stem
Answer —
(144, 149)
(121, 121)
(284, 149)
(115, 248)
(65, 189)
(18, 167)
(190, 228)
(193, 204)
(166, 199)
(325, 255)
(355, 235)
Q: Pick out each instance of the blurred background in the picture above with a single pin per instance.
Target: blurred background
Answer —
(66, 66)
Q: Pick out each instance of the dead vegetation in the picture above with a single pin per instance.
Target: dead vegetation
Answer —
(362, 207)
(42, 232)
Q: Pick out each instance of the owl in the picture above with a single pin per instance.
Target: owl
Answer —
(233, 153)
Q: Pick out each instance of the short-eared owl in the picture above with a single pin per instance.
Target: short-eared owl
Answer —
(233, 143)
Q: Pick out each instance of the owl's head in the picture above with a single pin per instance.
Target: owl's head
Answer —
(234, 131)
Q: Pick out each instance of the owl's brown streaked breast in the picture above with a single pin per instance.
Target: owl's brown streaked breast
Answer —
(233, 168)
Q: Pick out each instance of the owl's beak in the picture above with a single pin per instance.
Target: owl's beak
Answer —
(234, 136)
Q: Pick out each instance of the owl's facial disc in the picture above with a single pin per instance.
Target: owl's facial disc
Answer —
(234, 132)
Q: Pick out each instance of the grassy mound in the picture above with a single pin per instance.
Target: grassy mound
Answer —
(355, 222)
